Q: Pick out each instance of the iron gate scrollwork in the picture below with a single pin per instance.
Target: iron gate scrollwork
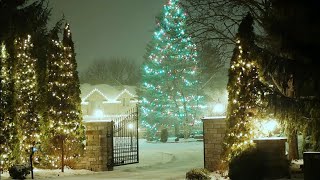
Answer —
(125, 139)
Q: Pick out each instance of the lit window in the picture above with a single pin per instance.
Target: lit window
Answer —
(98, 113)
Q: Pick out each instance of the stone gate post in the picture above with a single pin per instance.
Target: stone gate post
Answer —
(99, 146)
(214, 129)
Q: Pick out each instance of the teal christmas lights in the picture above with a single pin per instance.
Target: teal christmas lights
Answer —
(169, 91)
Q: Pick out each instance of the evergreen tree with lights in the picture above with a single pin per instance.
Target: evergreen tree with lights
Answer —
(8, 137)
(169, 91)
(65, 132)
(26, 96)
(4, 132)
(244, 90)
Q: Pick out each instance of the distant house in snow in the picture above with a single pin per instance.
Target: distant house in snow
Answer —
(105, 102)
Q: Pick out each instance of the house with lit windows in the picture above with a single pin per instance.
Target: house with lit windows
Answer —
(105, 102)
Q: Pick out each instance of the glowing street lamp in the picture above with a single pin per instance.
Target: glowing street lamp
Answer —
(269, 126)
(265, 128)
(218, 109)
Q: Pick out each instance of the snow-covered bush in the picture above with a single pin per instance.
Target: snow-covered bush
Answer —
(164, 135)
(19, 171)
(198, 174)
(249, 165)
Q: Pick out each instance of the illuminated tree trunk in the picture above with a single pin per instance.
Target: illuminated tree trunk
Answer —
(292, 143)
(292, 130)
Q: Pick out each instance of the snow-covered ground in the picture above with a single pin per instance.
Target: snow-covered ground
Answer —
(157, 161)
(163, 161)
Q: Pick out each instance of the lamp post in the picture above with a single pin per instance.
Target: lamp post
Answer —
(130, 126)
(2, 160)
(1, 156)
(33, 150)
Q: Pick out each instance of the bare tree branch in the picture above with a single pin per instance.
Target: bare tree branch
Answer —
(115, 71)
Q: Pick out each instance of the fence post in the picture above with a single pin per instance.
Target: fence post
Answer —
(110, 163)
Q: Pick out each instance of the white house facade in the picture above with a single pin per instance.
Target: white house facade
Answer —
(103, 102)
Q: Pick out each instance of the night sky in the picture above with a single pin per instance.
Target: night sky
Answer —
(108, 28)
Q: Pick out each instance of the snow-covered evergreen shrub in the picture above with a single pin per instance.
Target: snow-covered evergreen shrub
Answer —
(249, 165)
(19, 171)
(164, 135)
(198, 174)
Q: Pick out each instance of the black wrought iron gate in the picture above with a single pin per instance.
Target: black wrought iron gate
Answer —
(125, 139)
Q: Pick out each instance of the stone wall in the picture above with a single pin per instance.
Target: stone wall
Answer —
(214, 129)
(98, 152)
(274, 154)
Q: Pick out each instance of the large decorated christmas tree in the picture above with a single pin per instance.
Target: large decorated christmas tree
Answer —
(170, 93)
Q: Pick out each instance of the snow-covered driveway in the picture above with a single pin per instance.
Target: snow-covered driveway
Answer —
(157, 161)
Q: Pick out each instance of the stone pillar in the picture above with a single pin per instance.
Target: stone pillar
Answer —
(214, 129)
(311, 163)
(99, 146)
(273, 150)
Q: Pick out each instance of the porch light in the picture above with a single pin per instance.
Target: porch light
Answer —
(130, 126)
(98, 113)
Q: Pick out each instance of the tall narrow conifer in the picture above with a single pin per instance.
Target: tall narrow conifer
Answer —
(26, 97)
(65, 132)
(244, 89)
(7, 127)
